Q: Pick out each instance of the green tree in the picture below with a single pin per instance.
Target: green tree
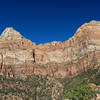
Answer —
(80, 91)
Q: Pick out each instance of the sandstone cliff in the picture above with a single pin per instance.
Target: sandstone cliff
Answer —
(20, 57)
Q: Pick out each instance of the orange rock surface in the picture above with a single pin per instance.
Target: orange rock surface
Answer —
(20, 57)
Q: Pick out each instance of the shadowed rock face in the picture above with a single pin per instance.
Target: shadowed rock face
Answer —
(21, 57)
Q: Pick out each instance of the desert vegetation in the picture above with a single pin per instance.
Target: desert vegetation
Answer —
(39, 87)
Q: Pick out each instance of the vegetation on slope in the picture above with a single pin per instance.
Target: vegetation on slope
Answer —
(39, 87)
(80, 91)
(77, 88)
(35, 87)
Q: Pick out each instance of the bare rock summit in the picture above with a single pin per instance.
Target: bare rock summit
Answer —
(10, 34)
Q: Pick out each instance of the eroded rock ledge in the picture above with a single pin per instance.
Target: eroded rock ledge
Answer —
(20, 57)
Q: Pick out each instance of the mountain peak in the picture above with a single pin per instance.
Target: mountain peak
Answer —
(10, 34)
(95, 22)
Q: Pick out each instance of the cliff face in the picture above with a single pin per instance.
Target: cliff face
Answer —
(15, 53)
(21, 57)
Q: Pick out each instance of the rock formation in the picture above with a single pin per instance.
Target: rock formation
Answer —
(20, 57)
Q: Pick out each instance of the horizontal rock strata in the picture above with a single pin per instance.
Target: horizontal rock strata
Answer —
(20, 57)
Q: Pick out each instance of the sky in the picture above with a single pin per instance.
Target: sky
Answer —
(44, 21)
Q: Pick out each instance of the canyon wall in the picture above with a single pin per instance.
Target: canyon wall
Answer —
(20, 57)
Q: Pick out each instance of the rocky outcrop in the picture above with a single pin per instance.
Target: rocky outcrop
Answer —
(15, 53)
(73, 56)
(21, 57)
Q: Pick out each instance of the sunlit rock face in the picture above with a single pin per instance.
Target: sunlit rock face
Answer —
(16, 53)
(20, 57)
(11, 34)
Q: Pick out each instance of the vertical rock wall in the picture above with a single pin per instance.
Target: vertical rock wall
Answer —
(20, 57)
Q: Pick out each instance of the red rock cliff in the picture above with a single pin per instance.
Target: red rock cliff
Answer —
(20, 57)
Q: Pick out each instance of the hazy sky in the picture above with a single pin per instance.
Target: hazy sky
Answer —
(47, 20)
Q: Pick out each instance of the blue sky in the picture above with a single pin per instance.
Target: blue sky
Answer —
(44, 21)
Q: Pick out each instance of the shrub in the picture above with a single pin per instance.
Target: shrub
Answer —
(80, 91)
